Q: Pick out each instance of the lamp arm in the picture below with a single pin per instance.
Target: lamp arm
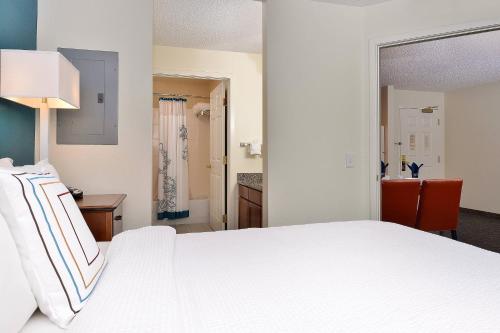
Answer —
(43, 139)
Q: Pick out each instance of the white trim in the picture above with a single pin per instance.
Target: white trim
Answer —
(375, 45)
(374, 92)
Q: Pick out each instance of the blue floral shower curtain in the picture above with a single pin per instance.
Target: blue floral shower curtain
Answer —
(173, 182)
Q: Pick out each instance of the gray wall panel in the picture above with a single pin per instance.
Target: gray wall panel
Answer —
(96, 122)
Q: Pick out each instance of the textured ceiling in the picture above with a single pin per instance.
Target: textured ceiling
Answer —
(443, 65)
(230, 25)
(357, 3)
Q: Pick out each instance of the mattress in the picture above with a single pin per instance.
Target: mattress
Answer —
(360, 276)
(336, 277)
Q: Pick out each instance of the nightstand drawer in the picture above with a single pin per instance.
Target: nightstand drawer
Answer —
(103, 214)
(118, 220)
(100, 224)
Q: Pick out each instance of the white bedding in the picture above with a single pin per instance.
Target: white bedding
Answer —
(39, 323)
(336, 277)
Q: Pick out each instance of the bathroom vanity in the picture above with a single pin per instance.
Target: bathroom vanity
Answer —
(249, 200)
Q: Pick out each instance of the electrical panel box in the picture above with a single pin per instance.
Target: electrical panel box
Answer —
(96, 122)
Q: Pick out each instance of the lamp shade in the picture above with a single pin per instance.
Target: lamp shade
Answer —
(35, 77)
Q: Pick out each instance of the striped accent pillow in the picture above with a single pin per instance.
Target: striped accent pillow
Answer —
(59, 254)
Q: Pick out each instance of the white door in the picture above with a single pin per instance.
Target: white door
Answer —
(217, 152)
(421, 141)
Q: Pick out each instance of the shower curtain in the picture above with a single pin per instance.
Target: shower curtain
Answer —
(173, 184)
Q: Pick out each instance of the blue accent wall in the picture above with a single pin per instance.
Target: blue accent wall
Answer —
(18, 20)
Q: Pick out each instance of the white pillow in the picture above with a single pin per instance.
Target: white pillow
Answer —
(45, 167)
(41, 167)
(6, 162)
(17, 302)
(59, 254)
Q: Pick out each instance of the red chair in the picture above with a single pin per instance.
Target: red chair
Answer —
(400, 201)
(439, 205)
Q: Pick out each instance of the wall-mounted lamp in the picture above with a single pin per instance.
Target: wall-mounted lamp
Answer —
(39, 79)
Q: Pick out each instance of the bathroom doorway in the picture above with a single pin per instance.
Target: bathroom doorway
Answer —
(190, 121)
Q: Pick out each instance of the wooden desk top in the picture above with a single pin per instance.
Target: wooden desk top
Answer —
(106, 202)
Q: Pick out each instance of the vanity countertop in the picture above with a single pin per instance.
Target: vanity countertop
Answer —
(251, 180)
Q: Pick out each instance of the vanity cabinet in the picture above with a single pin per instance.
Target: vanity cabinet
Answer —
(249, 208)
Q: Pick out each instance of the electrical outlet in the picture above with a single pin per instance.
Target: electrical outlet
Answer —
(349, 160)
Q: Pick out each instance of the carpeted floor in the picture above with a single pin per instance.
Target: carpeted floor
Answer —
(480, 229)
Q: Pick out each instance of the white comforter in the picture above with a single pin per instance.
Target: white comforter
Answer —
(335, 277)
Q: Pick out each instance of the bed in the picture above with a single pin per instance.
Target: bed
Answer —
(39, 323)
(361, 276)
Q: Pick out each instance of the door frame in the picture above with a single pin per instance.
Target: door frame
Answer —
(375, 45)
(228, 130)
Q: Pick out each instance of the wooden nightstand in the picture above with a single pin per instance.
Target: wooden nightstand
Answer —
(103, 214)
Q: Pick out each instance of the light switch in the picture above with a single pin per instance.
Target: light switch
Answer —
(349, 160)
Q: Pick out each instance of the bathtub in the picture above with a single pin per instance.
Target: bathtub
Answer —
(199, 212)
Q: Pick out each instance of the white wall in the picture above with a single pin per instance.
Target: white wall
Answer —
(313, 112)
(124, 26)
(409, 16)
(317, 97)
(245, 73)
(472, 141)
